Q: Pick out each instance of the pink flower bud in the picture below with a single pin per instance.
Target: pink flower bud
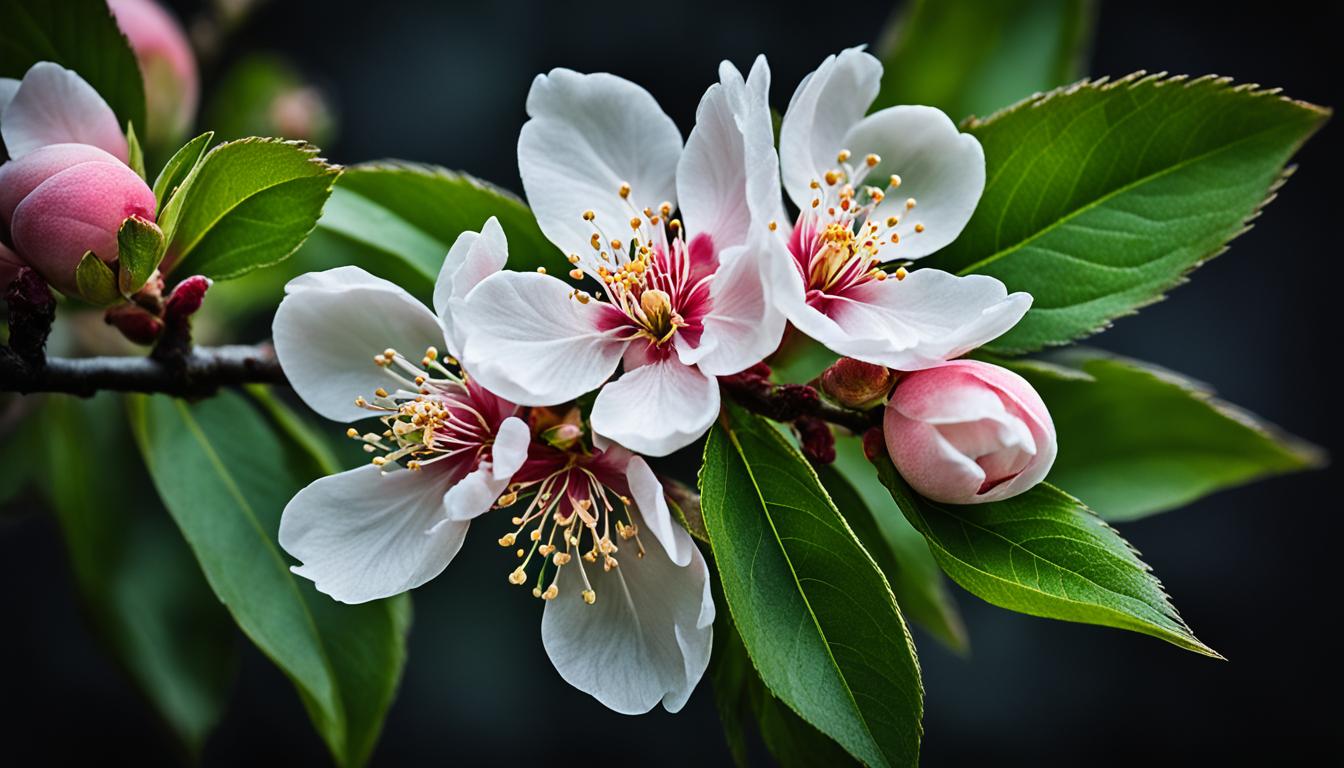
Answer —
(968, 432)
(167, 65)
(856, 384)
(20, 177)
(77, 210)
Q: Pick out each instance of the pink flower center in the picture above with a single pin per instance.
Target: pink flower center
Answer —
(654, 286)
(434, 417)
(579, 512)
(838, 244)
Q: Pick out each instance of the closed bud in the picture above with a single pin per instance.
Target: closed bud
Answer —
(167, 65)
(969, 432)
(856, 384)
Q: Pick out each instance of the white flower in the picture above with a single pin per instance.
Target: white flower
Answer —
(628, 617)
(678, 303)
(892, 186)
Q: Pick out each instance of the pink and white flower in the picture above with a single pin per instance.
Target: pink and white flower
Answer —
(842, 170)
(628, 617)
(680, 303)
(66, 189)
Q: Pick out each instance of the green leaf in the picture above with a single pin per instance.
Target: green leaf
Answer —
(740, 694)
(1135, 440)
(247, 204)
(968, 57)
(95, 280)
(135, 154)
(139, 585)
(179, 167)
(899, 550)
(79, 35)
(414, 213)
(1043, 553)
(140, 246)
(816, 615)
(1101, 197)
(225, 477)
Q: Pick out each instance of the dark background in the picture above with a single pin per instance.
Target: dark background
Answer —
(1253, 570)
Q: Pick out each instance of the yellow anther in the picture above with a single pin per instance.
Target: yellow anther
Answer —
(541, 270)
(892, 221)
(615, 245)
(507, 500)
(550, 592)
(582, 297)
(379, 360)
(831, 178)
(573, 258)
(413, 465)
(536, 591)
(814, 184)
(895, 238)
(900, 273)
(432, 353)
(595, 241)
(674, 224)
(895, 180)
(361, 402)
(635, 223)
(773, 225)
(589, 596)
(518, 576)
(624, 190)
(576, 274)
(589, 215)
(506, 540)
(536, 534)
(352, 432)
(815, 202)
(843, 157)
(379, 461)
(380, 392)
(909, 203)
(520, 552)
(561, 558)
(919, 227)
(419, 380)
(872, 160)
(665, 209)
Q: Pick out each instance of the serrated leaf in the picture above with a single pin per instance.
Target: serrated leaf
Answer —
(1046, 554)
(899, 550)
(969, 57)
(140, 246)
(179, 167)
(139, 586)
(1101, 197)
(247, 204)
(1135, 440)
(95, 281)
(815, 614)
(80, 35)
(225, 476)
(740, 695)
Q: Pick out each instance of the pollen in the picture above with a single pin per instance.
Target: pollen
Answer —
(909, 203)
(636, 223)
(624, 190)
(872, 160)
(919, 227)
(832, 178)
(894, 181)
(843, 157)
(589, 215)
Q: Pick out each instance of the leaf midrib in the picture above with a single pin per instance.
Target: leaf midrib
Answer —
(236, 493)
(802, 593)
(1103, 199)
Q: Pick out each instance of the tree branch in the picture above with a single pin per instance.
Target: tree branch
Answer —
(202, 371)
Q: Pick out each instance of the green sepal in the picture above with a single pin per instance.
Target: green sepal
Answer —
(95, 280)
(140, 248)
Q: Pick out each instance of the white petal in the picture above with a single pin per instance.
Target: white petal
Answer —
(510, 449)
(942, 169)
(473, 257)
(587, 135)
(915, 323)
(8, 87)
(529, 342)
(331, 324)
(53, 105)
(729, 156)
(473, 495)
(648, 496)
(647, 638)
(824, 108)
(657, 408)
(362, 535)
(744, 325)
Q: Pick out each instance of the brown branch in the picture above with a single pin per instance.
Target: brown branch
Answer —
(202, 371)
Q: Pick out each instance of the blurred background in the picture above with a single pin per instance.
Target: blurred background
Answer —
(1253, 570)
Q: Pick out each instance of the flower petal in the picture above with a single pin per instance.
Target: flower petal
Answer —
(588, 134)
(528, 341)
(744, 325)
(331, 324)
(826, 105)
(512, 440)
(915, 323)
(8, 87)
(657, 408)
(20, 177)
(53, 105)
(647, 638)
(473, 257)
(730, 159)
(647, 493)
(476, 493)
(941, 169)
(364, 534)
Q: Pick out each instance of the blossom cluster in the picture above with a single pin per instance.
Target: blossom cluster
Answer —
(684, 268)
